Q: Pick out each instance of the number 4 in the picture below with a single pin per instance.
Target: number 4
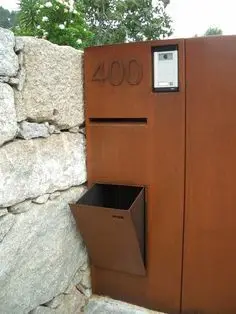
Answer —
(100, 74)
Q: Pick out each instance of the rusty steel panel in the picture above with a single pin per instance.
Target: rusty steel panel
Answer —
(119, 154)
(118, 85)
(210, 222)
(117, 79)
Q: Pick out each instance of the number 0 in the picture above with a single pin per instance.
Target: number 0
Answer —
(135, 68)
(121, 73)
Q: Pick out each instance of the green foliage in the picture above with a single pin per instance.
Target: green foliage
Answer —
(7, 18)
(166, 2)
(213, 31)
(84, 23)
(59, 21)
(115, 21)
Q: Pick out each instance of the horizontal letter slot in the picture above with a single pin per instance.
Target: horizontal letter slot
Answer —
(119, 120)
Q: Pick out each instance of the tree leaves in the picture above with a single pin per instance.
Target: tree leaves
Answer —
(54, 20)
(98, 22)
(126, 20)
(7, 18)
(213, 31)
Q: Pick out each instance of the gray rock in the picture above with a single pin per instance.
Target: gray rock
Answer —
(6, 223)
(78, 277)
(71, 195)
(32, 168)
(86, 278)
(39, 256)
(8, 125)
(4, 79)
(54, 195)
(69, 304)
(41, 199)
(3, 211)
(72, 303)
(43, 310)
(57, 130)
(82, 281)
(55, 302)
(52, 129)
(28, 130)
(19, 45)
(14, 81)
(21, 59)
(82, 131)
(87, 292)
(75, 129)
(53, 90)
(85, 265)
(75, 281)
(8, 59)
(21, 78)
(104, 305)
(21, 207)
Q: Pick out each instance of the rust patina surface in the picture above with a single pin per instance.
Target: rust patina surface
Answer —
(179, 146)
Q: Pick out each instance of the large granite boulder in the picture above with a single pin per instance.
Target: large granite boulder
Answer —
(8, 59)
(40, 255)
(31, 168)
(8, 125)
(53, 89)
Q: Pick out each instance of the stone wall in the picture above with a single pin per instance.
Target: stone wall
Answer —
(43, 260)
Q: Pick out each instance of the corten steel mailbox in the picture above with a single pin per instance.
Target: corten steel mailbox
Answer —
(162, 115)
(136, 137)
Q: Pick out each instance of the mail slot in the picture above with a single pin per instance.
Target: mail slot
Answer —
(111, 219)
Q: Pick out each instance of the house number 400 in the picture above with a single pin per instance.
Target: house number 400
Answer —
(117, 72)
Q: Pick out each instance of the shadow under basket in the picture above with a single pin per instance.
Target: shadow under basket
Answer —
(111, 220)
